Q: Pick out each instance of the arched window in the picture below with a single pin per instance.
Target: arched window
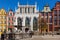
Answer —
(19, 22)
(27, 22)
(35, 24)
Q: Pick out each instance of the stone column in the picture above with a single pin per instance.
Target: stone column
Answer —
(27, 10)
(16, 21)
(23, 22)
(31, 23)
(24, 10)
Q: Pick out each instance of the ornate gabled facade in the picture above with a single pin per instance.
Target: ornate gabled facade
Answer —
(3, 21)
(26, 16)
(56, 17)
(10, 19)
(46, 8)
(46, 14)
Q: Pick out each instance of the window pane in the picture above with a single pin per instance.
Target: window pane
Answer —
(50, 20)
(9, 24)
(20, 10)
(25, 10)
(12, 19)
(42, 14)
(4, 27)
(55, 12)
(4, 17)
(28, 10)
(33, 10)
(55, 22)
(5, 22)
(55, 17)
(9, 18)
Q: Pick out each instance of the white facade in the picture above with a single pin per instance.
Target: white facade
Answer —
(24, 11)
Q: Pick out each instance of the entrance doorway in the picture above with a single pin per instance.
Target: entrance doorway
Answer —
(26, 29)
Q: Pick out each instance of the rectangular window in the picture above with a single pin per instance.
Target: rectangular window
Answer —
(50, 14)
(12, 19)
(9, 24)
(12, 23)
(20, 10)
(46, 14)
(5, 22)
(55, 12)
(50, 25)
(4, 27)
(25, 10)
(55, 22)
(50, 20)
(4, 17)
(9, 18)
(28, 10)
(55, 17)
(42, 13)
(33, 10)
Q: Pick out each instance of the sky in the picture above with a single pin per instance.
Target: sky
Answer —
(11, 4)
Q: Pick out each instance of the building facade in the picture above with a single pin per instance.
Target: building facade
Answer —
(52, 17)
(26, 16)
(56, 17)
(10, 19)
(46, 15)
(3, 21)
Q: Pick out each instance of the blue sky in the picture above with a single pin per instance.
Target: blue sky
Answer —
(11, 4)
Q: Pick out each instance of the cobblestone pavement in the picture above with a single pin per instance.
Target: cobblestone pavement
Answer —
(45, 37)
(41, 37)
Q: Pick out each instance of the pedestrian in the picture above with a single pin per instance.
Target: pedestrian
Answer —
(10, 35)
(31, 33)
(2, 36)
